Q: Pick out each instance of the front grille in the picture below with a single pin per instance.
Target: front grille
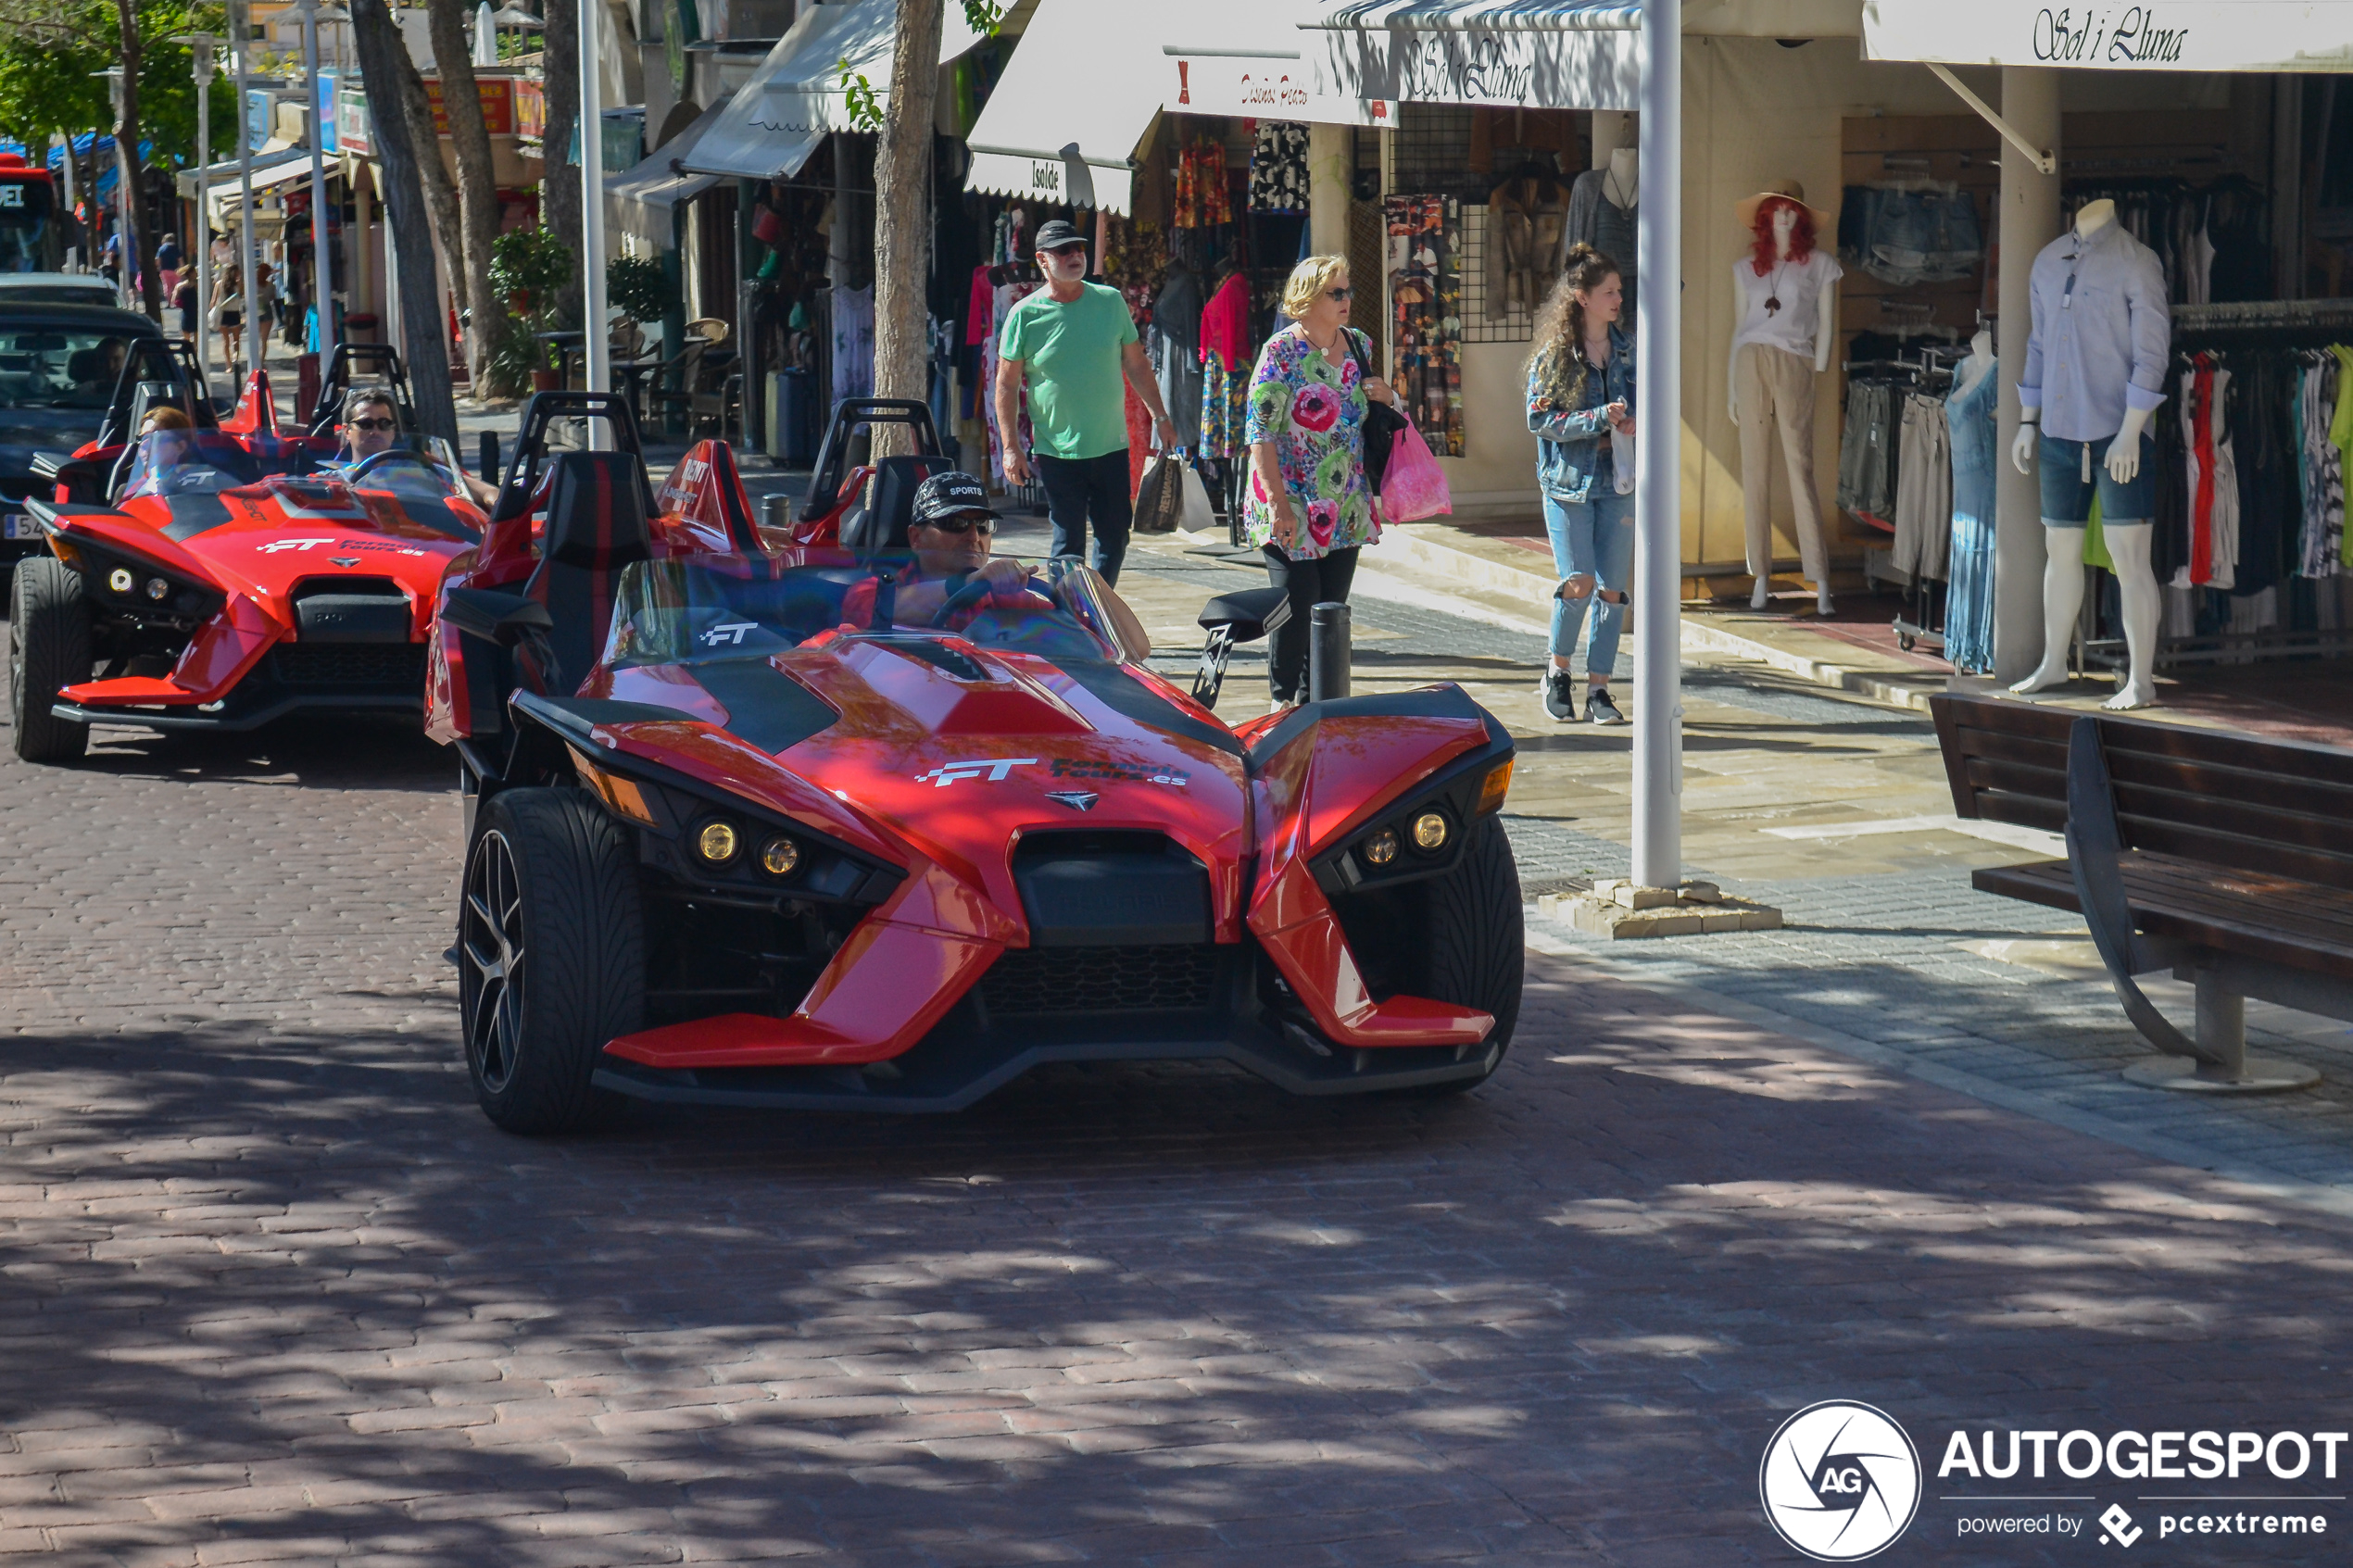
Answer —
(396, 666)
(1034, 980)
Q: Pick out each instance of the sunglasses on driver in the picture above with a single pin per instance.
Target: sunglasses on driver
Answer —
(961, 525)
(372, 424)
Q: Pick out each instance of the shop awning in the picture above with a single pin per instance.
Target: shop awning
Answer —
(276, 170)
(2249, 35)
(773, 124)
(1244, 57)
(1530, 54)
(643, 200)
(1086, 77)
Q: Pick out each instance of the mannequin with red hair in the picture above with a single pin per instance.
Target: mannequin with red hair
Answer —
(1785, 307)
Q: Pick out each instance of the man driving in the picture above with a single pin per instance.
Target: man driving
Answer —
(948, 534)
(372, 424)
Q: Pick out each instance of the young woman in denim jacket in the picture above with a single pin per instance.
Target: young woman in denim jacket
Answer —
(1581, 394)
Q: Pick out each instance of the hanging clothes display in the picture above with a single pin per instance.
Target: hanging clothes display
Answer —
(1603, 215)
(1867, 467)
(853, 343)
(1278, 168)
(1969, 606)
(1527, 217)
(1425, 294)
(1924, 490)
(1173, 348)
(1202, 200)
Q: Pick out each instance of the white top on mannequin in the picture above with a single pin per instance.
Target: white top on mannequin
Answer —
(1623, 185)
(1811, 308)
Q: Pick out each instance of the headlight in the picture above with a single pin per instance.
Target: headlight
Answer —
(779, 856)
(1382, 848)
(158, 588)
(1430, 831)
(717, 840)
(120, 580)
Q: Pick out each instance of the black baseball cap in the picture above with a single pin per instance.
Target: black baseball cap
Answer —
(953, 493)
(1057, 234)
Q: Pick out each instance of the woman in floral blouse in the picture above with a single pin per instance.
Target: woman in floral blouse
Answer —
(1310, 506)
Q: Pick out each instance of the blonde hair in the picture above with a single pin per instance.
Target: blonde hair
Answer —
(1308, 280)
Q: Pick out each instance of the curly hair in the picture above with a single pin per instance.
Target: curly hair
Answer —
(1309, 279)
(1765, 254)
(1559, 354)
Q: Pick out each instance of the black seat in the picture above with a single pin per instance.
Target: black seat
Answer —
(596, 524)
(1248, 613)
(881, 522)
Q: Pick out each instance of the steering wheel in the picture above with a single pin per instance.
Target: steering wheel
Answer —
(970, 595)
(384, 458)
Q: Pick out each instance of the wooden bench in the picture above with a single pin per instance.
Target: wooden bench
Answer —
(2224, 858)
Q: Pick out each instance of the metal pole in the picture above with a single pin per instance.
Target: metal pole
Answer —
(1327, 652)
(1659, 497)
(322, 276)
(240, 31)
(2029, 220)
(201, 250)
(73, 254)
(592, 210)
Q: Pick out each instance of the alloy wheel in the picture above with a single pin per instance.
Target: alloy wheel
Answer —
(491, 938)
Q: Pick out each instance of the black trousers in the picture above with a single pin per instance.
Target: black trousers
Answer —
(1080, 489)
(1305, 583)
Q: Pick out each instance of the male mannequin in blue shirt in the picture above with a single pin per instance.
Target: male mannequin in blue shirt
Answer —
(2095, 362)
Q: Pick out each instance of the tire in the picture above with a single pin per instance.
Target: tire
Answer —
(1478, 936)
(48, 648)
(550, 890)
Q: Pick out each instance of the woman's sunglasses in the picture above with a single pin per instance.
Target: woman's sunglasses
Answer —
(1341, 294)
(964, 525)
(373, 424)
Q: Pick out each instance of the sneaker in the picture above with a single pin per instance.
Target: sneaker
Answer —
(1599, 710)
(1560, 698)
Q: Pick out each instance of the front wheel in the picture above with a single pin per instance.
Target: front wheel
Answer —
(48, 648)
(551, 958)
(1478, 941)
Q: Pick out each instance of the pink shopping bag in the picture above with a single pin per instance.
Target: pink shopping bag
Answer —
(1414, 488)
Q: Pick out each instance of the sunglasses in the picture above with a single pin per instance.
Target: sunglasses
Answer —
(1341, 295)
(373, 424)
(964, 525)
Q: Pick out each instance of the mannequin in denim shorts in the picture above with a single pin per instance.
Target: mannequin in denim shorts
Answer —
(2094, 378)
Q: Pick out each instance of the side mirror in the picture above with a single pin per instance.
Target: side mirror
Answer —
(496, 617)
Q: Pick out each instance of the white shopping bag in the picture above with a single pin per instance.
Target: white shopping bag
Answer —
(1200, 516)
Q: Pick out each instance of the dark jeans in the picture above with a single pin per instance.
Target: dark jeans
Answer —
(1305, 583)
(1079, 489)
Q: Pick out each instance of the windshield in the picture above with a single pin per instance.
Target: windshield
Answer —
(200, 462)
(709, 607)
(399, 472)
(24, 223)
(48, 367)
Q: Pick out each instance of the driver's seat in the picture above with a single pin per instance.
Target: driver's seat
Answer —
(880, 522)
(596, 526)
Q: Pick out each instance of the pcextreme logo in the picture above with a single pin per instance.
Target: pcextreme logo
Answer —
(1840, 1480)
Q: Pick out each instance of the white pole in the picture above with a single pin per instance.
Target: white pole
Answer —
(73, 255)
(239, 28)
(1658, 500)
(592, 206)
(201, 250)
(322, 276)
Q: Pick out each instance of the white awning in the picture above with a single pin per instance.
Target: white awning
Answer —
(1244, 57)
(1086, 73)
(274, 169)
(643, 200)
(773, 124)
(1529, 54)
(2249, 35)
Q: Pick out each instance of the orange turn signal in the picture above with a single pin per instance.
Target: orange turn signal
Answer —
(622, 796)
(1498, 784)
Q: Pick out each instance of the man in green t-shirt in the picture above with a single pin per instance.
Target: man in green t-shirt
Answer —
(1074, 340)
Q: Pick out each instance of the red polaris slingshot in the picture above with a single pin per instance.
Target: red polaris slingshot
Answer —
(209, 577)
(738, 835)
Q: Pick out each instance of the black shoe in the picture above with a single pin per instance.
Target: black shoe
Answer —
(1560, 698)
(1599, 710)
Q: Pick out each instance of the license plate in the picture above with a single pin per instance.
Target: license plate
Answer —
(21, 525)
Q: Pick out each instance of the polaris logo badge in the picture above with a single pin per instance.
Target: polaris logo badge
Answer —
(730, 633)
(995, 770)
(274, 546)
(1077, 799)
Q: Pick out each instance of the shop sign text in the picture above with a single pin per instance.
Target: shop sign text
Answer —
(2088, 37)
(1464, 68)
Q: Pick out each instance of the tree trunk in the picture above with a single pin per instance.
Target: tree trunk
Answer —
(559, 186)
(131, 184)
(902, 213)
(384, 57)
(440, 192)
(477, 185)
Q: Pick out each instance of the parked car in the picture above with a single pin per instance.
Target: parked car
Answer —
(60, 368)
(58, 288)
(738, 835)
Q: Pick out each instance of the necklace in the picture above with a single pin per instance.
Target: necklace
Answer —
(1773, 292)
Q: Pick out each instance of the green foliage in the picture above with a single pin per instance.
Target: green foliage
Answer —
(512, 353)
(528, 266)
(639, 288)
(50, 47)
(983, 17)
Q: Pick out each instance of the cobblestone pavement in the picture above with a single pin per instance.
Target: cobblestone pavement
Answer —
(278, 1291)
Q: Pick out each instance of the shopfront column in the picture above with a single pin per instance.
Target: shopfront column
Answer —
(1331, 161)
(2029, 220)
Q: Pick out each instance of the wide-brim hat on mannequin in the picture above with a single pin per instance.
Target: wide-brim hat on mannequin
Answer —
(1786, 190)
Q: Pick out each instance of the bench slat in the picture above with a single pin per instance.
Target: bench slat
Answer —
(2272, 919)
(2331, 802)
(2276, 758)
(2226, 852)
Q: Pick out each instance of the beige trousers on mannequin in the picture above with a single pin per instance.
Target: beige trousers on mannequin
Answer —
(1774, 390)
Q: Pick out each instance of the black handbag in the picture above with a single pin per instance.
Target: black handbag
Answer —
(1382, 423)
